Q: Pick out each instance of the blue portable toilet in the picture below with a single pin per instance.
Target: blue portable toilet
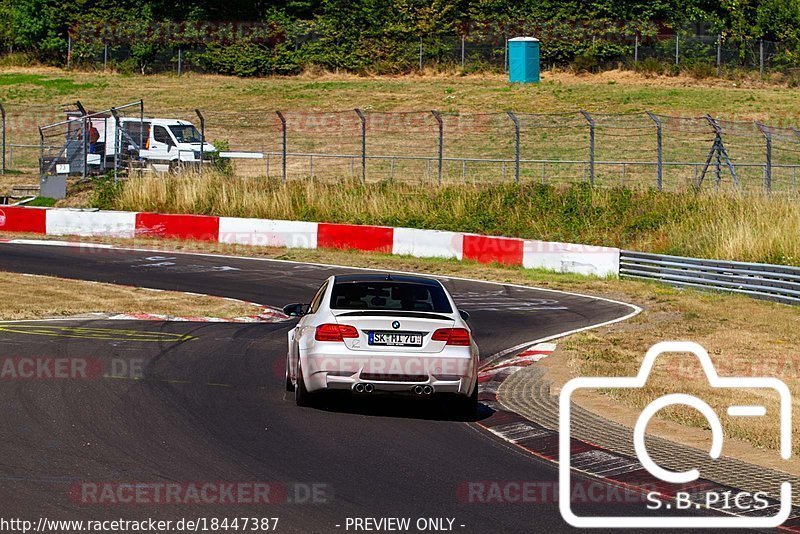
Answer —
(523, 60)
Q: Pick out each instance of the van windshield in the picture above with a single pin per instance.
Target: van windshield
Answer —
(186, 134)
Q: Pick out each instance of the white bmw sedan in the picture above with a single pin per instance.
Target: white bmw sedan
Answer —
(382, 333)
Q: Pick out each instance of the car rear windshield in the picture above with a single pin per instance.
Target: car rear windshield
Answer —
(390, 296)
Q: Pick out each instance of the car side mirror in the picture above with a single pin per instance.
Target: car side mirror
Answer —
(464, 315)
(295, 310)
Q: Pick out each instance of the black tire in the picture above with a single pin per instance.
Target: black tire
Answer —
(301, 395)
(468, 406)
(289, 384)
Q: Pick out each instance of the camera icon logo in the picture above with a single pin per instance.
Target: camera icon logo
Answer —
(639, 381)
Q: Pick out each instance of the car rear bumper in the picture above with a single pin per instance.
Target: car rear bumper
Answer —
(452, 371)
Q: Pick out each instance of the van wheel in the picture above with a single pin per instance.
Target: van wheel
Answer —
(174, 167)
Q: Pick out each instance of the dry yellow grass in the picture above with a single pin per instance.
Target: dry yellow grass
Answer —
(752, 227)
(36, 297)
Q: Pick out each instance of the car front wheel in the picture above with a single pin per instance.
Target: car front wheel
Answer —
(289, 384)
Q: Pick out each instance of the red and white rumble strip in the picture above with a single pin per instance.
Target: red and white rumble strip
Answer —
(560, 257)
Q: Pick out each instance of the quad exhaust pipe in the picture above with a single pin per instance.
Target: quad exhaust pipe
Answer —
(423, 390)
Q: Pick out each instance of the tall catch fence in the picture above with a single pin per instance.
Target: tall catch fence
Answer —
(92, 142)
(634, 150)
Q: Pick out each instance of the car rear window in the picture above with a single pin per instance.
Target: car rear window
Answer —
(390, 296)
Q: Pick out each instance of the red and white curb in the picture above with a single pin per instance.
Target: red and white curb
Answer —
(586, 458)
(528, 253)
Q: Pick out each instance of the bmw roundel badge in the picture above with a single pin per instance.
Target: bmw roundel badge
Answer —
(396, 325)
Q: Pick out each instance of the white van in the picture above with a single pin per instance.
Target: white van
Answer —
(164, 141)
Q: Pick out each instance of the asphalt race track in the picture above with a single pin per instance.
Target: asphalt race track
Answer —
(211, 407)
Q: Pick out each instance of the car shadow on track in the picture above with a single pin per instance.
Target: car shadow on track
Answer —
(433, 409)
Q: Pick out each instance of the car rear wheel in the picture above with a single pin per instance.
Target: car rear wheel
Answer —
(469, 405)
(301, 395)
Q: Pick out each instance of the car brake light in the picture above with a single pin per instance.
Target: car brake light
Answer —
(453, 336)
(335, 332)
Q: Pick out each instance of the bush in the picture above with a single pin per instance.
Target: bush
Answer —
(105, 192)
(650, 66)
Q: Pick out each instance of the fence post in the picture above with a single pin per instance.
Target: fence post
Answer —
(283, 146)
(420, 54)
(105, 56)
(117, 135)
(439, 120)
(69, 51)
(180, 61)
(463, 55)
(363, 120)
(719, 55)
(141, 129)
(41, 154)
(768, 156)
(761, 57)
(505, 53)
(591, 122)
(3, 116)
(677, 49)
(515, 120)
(659, 151)
(636, 49)
(202, 138)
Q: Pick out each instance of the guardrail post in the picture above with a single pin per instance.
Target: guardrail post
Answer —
(363, 120)
(659, 151)
(515, 120)
(591, 122)
(768, 156)
(3, 117)
(202, 138)
(439, 120)
(283, 144)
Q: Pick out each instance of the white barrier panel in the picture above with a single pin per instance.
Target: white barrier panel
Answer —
(571, 258)
(427, 243)
(91, 223)
(267, 233)
(242, 155)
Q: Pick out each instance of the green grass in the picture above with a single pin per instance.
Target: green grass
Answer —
(25, 87)
(42, 202)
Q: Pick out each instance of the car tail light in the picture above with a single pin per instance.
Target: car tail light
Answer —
(335, 332)
(453, 336)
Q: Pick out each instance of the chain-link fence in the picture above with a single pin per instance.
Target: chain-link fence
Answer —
(705, 54)
(635, 150)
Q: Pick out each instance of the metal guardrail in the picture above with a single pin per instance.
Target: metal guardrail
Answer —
(771, 282)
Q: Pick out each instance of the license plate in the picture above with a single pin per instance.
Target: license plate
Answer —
(395, 339)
